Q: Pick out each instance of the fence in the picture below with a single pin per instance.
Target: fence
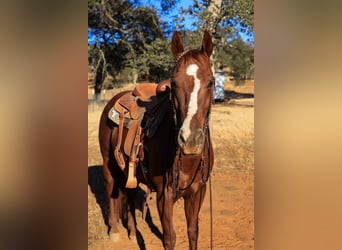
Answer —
(97, 102)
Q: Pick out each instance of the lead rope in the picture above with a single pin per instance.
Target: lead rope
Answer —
(170, 207)
(204, 180)
(211, 215)
(210, 193)
(172, 172)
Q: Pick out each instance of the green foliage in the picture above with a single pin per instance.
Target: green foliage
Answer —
(244, 14)
(157, 60)
(239, 56)
(225, 19)
(122, 30)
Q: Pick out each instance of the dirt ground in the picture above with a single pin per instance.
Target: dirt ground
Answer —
(232, 182)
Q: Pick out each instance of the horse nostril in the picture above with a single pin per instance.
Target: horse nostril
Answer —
(181, 139)
(198, 136)
(181, 135)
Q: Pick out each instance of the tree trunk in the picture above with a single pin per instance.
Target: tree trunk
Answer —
(134, 76)
(100, 72)
(210, 24)
(98, 81)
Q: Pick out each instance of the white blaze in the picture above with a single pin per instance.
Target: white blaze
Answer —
(191, 70)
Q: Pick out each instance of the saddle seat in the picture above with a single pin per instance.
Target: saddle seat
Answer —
(129, 111)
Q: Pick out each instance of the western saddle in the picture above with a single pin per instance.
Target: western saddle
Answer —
(139, 111)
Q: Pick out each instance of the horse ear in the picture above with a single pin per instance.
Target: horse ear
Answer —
(177, 45)
(207, 43)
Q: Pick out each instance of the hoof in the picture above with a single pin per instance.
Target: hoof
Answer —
(115, 237)
(132, 183)
(133, 238)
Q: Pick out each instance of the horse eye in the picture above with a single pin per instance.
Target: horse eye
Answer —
(211, 83)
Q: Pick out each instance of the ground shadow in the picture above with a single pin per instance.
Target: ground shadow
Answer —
(96, 184)
(231, 99)
(229, 94)
(148, 218)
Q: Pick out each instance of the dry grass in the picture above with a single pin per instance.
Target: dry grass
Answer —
(245, 88)
(233, 137)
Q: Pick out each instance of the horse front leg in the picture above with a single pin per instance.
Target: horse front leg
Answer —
(192, 206)
(113, 211)
(165, 209)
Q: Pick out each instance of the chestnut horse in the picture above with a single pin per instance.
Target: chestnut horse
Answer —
(179, 156)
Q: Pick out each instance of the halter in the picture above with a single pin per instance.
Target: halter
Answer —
(177, 166)
(181, 55)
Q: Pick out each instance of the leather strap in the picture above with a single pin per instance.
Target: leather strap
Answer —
(117, 151)
(132, 179)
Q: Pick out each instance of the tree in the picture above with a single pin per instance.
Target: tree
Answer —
(240, 57)
(130, 42)
(225, 19)
(157, 59)
(121, 30)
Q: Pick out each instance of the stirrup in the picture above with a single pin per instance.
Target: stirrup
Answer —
(131, 179)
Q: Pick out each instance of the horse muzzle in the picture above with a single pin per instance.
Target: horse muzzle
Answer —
(193, 144)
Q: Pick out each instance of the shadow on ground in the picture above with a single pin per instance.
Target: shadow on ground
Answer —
(96, 184)
(229, 94)
(233, 98)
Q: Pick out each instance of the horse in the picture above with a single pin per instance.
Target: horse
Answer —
(179, 156)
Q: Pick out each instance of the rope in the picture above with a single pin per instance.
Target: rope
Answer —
(211, 214)
(170, 208)
(210, 193)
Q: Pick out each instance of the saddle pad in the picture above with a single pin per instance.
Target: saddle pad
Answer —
(154, 116)
(131, 124)
(115, 117)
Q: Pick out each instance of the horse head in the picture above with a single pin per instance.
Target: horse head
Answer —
(192, 84)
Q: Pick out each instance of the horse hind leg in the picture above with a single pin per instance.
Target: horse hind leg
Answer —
(192, 207)
(131, 219)
(113, 202)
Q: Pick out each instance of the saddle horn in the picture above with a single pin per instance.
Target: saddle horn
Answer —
(163, 87)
